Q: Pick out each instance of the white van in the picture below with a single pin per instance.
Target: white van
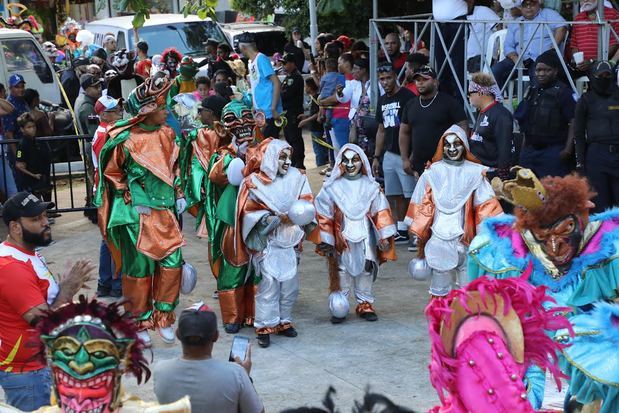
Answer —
(160, 31)
(22, 54)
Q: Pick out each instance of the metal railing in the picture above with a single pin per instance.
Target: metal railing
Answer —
(425, 28)
(69, 184)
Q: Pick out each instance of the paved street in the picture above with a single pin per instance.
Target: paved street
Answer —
(390, 355)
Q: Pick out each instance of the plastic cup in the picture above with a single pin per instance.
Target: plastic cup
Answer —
(579, 57)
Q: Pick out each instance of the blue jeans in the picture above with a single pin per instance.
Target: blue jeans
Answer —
(7, 180)
(544, 162)
(321, 152)
(341, 130)
(106, 270)
(501, 71)
(27, 391)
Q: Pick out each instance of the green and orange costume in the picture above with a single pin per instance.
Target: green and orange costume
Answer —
(138, 187)
(229, 259)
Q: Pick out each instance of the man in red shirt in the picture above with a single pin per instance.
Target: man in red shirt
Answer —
(27, 289)
(392, 47)
(584, 37)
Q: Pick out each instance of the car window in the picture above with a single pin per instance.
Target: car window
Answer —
(22, 55)
(187, 37)
(269, 42)
(121, 43)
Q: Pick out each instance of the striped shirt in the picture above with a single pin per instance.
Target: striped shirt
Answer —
(584, 37)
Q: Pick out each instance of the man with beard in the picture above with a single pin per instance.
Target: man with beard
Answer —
(596, 130)
(27, 290)
(397, 58)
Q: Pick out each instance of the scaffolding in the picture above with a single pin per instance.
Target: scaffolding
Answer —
(425, 28)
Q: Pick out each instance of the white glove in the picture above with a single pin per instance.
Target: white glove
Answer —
(143, 210)
(181, 205)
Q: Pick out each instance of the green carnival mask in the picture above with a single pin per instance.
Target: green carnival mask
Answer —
(238, 120)
(88, 356)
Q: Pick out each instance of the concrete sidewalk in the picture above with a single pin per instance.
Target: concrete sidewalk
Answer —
(390, 356)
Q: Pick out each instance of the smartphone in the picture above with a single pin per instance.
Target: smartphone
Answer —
(239, 348)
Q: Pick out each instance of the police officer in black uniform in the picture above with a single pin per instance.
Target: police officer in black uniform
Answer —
(596, 131)
(545, 117)
(292, 102)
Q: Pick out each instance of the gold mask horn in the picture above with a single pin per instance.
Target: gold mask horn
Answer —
(525, 190)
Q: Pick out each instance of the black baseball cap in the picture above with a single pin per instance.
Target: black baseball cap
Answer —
(287, 58)
(246, 37)
(601, 67)
(197, 325)
(425, 72)
(89, 80)
(24, 204)
(215, 104)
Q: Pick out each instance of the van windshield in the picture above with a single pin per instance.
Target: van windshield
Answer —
(187, 37)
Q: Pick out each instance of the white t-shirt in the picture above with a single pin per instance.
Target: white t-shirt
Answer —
(444, 10)
(479, 33)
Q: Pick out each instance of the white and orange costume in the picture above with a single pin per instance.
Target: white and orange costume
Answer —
(265, 198)
(450, 200)
(354, 218)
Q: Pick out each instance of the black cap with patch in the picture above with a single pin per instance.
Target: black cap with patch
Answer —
(24, 204)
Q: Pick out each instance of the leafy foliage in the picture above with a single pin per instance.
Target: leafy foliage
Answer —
(141, 8)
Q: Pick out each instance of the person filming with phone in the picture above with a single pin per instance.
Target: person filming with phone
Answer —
(213, 386)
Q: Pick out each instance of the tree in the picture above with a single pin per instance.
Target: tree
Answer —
(141, 8)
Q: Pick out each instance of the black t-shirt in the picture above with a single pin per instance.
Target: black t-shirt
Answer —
(292, 93)
(37, 157)
(315, 126)
(492, 141)
(429, 123)
(389, 112)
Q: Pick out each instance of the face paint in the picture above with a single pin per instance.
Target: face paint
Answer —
(172, 63)
(86, 361)
(453, 148)
(352, 163)
(284, 161)
(560, 241)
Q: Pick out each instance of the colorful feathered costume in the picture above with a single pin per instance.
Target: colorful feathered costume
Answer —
(577, 258)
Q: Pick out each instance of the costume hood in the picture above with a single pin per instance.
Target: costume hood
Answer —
(269, 164)
(338, 168)
(459, 132)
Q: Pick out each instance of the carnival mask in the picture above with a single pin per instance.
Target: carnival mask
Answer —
(453, 148)
(351, 162)
(588, 5)
(560, 241)
(171, 63)
(238, 121)
(122, 61)
(87, 362)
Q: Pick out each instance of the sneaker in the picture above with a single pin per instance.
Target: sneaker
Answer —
(215, 295)
(401, 237)
(145, 337)
(264, 340)
(326, 170)
(369, 316)
(413, 244)
(232, 328)
(337, 320)
(166, 334)
(289, 332)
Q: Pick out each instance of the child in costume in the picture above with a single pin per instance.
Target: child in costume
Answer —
(573, 254)
(268, 220)
(139, 197)
(89, 347)
(356, 232)
(236, 284)
(450, 199)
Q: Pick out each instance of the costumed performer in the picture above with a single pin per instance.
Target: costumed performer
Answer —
(483, 339)
(139, 197)
(273, 224)
(573, 254)
(89, 347)
(450, 200)
(197, 148)
(356, 232)
(236, 283)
